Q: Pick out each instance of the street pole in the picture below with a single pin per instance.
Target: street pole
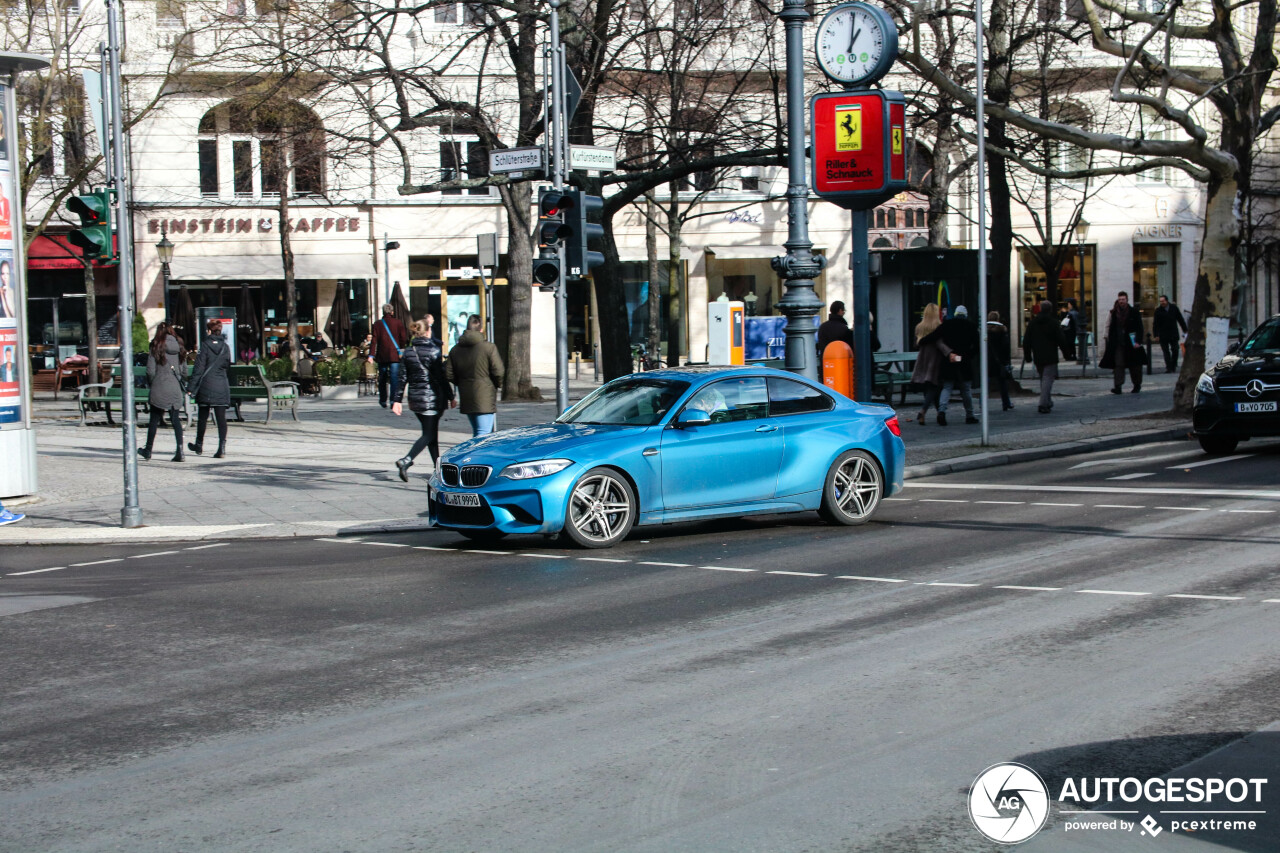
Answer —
(984, 357)
(799, 266)
(559, 159)
(131, 514)
(862, 366)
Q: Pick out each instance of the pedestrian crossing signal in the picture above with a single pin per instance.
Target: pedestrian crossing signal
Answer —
(94, 234)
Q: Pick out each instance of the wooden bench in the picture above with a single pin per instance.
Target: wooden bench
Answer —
(249, 382)
(104, 394)
(893, 373)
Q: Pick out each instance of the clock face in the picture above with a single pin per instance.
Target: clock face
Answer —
(856, 43)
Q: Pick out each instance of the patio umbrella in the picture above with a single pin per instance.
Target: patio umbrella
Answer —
(400, 306)
(338, 329)
(183, 318)
(248, 322)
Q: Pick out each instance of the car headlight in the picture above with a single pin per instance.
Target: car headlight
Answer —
(1205, 385)
(530, 470)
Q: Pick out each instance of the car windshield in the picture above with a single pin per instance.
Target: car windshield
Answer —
(631, 401)
(1265, 338)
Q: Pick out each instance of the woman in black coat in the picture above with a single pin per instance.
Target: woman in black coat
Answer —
(429, 393)
(1124, 344)
(999, 361)
(211, 388)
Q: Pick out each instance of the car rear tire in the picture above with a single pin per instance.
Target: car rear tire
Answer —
(853, 488)
(601, 510)
(1216, 445)
(484, 536)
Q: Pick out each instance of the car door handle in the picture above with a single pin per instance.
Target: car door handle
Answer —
(649, 451)
(767, 428)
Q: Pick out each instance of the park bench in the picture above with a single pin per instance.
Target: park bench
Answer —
(102, 395)
(893, 374)
(249, 382)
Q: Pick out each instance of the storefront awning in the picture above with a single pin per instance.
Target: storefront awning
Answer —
(271, 267)
(746, 253)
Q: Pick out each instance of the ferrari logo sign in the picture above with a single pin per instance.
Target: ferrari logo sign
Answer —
(849, 128)
(897, 140)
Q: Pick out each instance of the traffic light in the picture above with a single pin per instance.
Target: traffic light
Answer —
(550, 234)
(94, 234)
(578, 232)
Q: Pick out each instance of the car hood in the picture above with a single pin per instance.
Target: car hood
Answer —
(541, 441)
(1248, 367)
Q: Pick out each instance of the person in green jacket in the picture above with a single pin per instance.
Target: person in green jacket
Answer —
(476, 368)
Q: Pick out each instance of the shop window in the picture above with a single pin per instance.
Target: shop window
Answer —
(269, 149)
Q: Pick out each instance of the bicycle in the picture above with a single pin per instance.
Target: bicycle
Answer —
(642, 361)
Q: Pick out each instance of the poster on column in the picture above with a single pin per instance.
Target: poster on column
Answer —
(12, 360)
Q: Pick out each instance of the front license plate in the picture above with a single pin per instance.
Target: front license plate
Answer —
(459, 499)
(1256, 407)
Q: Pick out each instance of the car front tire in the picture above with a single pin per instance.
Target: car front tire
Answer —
(1216, 445)
(601, 509)
(853, 488)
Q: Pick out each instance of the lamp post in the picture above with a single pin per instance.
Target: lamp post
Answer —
(799, 266)
(164, 250)
(1082, 336)
(387, 246)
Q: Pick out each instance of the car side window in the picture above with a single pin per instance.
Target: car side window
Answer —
(733, 400)
(787, 397)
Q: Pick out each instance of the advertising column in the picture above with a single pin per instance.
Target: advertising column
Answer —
(17, 438)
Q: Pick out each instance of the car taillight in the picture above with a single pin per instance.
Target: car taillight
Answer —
(892, 424)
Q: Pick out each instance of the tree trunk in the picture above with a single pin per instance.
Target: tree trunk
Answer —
(90, 319)
(286, 255)
(655, 296)
(518, 383)
(615, 345)
(999, 270)
(1220, 271)
(675, 276)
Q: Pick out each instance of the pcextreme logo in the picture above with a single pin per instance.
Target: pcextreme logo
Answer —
(1008, 803)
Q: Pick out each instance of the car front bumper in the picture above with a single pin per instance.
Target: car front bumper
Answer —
(511, 506)
(1214, 416)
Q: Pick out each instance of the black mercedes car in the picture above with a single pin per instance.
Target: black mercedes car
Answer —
(1238, 398)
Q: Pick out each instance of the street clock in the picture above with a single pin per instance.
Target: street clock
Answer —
(856, 44)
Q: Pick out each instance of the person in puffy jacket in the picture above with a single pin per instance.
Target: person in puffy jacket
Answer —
(429, 393)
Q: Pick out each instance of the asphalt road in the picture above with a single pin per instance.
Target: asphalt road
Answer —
(762, 685)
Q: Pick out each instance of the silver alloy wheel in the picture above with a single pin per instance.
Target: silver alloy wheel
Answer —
(856, 486)
(600, 508)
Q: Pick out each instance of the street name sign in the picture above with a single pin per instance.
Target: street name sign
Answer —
(592, 158)
(516, 160)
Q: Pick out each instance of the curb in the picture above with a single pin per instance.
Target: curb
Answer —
(193, 533)
(1048, 451)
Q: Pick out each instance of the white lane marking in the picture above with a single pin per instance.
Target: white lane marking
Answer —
(202, 547)
(339, 541)
(727, 569)
(908, 500)
(1099, 490)
(548, 556)
(153, 554)
(874, 580)
(480, 551)
(940, 501)
(1271, 601)
(1109, 592)
(1207, 597)
(1044, 503)
(1214, 461)
(1257, 511)
(1121, 460)
(942, 583)
(1131, 476)
(98, 562)
(667, 565)
(388, 544)
(588, 559)
(798, 574)
(35, 571)
(432, 548)
(1186, 508)
(1004, 503)
(1117, 506)
(1032, 588)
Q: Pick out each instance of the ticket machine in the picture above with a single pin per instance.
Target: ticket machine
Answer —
(726, 337)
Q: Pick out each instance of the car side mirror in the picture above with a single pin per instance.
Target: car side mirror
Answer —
(692, 417)
(1233, 347)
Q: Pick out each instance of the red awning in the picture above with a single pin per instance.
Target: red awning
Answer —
(53, 252)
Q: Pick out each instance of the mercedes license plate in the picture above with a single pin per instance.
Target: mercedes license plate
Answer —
(460, 499)
(1256, 407)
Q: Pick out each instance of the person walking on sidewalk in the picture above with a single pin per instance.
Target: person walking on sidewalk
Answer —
(211, 388)
(163, 365)
(476, 368)
(999, 362)
(1070, 329)
(963, 339)
(7, 517)
(933, 354)
(1124, 348)
(835, 329)
(1042, 342)
(429, 393)
(1169, 326)
(389, 337)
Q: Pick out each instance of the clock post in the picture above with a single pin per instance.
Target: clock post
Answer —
(859, 141)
